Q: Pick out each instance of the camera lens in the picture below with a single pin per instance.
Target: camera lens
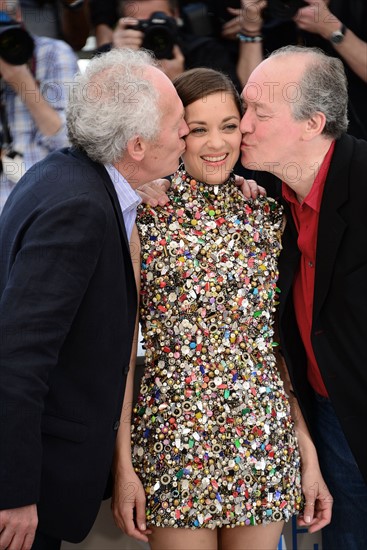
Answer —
(160, 34)
(159, 41)
(16, 45)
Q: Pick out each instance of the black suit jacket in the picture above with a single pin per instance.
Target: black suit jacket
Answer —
(68, 307)
(339, 325)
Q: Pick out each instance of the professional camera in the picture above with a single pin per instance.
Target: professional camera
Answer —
(16, 45)
(160, 34)
(284, 9)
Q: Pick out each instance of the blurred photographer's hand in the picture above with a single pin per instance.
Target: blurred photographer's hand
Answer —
(15, 75)
(173, 67)
(125, 37)
(247, 18)
(317, 18)
(20, 78)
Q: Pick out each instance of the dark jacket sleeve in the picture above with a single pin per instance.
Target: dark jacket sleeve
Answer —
(46, 270)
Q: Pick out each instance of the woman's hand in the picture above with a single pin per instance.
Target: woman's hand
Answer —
(318, 500)
(154, 192)
(128, 505)
(249, 188)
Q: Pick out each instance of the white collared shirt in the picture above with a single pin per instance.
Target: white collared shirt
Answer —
(128, 198)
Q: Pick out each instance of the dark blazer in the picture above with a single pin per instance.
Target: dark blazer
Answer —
(339, 325)
(68, 307)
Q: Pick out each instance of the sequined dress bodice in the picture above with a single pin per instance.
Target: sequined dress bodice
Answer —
(212, 423)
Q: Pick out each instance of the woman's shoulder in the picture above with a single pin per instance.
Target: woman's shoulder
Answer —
(266, 210)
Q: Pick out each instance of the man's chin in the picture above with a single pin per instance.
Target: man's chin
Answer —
(176, 166)
(248, 162)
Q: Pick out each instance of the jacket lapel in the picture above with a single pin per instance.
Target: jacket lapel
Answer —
(331, 224)
(288, 259)
(114, 200)
(106, 180)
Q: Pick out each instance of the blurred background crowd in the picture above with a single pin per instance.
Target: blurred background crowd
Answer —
(42, 43)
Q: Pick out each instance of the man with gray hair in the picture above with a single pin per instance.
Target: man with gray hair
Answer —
(294, 127)
(68, 298)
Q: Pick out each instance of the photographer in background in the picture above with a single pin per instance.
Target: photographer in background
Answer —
(34, 74)
(338, 27)
(132, 31)
(197, 44)
(63, 19)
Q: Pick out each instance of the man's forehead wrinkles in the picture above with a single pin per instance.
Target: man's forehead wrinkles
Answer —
(259, 104)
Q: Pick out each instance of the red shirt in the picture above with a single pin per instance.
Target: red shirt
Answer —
(306, 218)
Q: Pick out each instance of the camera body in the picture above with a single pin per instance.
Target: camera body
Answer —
(16, 44)
(160, 34)
(284, 9)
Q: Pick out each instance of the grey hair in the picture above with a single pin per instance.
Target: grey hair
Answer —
(111, 103)
(323, 88)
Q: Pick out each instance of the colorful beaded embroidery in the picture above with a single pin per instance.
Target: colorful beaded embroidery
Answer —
(212, 436)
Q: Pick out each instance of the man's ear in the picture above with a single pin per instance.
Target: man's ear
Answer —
(315, 125)
(136, 148)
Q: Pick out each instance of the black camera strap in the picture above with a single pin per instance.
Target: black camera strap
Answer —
(6, 137)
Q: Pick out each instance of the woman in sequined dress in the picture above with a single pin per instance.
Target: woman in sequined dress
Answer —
(213, 441)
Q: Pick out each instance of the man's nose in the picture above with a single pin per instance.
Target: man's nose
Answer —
(184, 129)
(246, 124)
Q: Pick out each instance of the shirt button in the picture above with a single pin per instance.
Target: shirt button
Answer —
(310, 264)
(116, 425)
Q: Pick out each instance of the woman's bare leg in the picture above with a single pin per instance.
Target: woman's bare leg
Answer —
(168, 538)
(259, 537)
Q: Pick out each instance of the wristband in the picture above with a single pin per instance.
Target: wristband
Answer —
(245, 38)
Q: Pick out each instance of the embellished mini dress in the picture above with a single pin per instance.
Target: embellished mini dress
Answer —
(212, 436)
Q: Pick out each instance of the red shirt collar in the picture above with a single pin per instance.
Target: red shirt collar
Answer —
(313, 199)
